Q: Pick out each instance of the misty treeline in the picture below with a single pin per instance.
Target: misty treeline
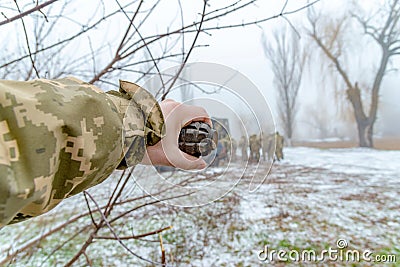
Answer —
(101, 42)
(353, 49)
(287, 62)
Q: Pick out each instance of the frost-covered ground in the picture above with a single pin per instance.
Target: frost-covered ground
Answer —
(310, 200)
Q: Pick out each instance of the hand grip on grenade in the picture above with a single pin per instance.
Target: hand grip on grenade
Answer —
(198, 139)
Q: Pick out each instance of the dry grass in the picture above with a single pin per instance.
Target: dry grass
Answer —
(388, 143)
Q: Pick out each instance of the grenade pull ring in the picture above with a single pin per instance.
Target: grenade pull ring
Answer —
(198, 139)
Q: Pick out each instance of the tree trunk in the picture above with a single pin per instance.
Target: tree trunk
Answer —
(364, 124)
(365, 133)
(289, 126)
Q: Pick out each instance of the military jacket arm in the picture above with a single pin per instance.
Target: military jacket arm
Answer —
(60, 137)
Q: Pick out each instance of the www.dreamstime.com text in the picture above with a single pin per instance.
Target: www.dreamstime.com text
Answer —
(340, 253)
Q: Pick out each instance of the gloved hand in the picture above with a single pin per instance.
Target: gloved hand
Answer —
(167, 152)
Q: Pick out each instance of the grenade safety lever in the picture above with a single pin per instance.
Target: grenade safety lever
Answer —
(198, 139)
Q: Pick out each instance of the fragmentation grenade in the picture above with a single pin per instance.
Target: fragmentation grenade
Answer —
(198, 139)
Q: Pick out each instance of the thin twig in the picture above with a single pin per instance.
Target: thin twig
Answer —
(27, 41)
(284, 6)
(165, 93)
(145, 43)
(31, 243)
(90, 211)
(64, 243)
(66, 40)
(87, 259)
(113, 202)
(23, 14)
(105, 220)
(163, 260)
(136, 236)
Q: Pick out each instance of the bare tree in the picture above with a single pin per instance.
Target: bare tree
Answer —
(384, 28)
(287, 62)
(121, 55)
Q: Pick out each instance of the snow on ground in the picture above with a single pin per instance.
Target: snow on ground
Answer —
(314, 197)
(310, 200)
(350, 161)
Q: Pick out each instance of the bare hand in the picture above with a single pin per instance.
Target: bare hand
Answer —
(166, 152)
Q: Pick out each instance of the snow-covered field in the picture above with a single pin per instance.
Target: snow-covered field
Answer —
(311, 199)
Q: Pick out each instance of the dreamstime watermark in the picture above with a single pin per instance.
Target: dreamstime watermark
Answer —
(340, 253)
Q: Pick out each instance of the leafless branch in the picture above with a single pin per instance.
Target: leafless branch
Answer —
(137, 236)
(25, 13)
(383, 27)
(89, 209)
(287, 60)
(107, 223)
(27, 40)
(165, 93)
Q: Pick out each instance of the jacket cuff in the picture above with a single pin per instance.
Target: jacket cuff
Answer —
(154, 127)
(143, 121)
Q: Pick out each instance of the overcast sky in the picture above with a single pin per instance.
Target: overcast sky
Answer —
(242, 49)
(238, 48)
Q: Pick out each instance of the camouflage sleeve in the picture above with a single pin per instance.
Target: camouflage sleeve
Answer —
(60, 137)
(132, 101)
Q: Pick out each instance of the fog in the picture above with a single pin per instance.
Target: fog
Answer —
(307, 69)
(242, 50)
(323, 110)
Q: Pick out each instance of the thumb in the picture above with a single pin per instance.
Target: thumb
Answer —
(182, 160)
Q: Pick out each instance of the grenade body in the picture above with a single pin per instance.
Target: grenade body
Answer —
(198, 139)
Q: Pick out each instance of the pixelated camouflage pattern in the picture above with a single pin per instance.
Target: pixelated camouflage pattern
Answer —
(268, 146)
(60, 137)
(279, 140)
(255, 146)
(134, 102)
(243, 144)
